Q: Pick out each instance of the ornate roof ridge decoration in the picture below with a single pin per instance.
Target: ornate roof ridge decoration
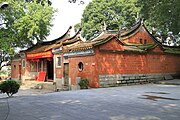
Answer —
(57, 40)
(73, 39)
(123, 33)
(66, 35)
(104, 35)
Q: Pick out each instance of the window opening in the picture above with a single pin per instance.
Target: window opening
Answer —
(80, 66)
(58, 63)
(140, 40)
(145, 41)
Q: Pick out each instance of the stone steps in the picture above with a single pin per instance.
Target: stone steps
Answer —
(39, 85)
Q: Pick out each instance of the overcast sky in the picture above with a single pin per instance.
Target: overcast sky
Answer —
(68, 14)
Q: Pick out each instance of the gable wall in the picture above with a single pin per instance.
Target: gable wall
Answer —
(143, 34)
(157, 49)
(112, 44)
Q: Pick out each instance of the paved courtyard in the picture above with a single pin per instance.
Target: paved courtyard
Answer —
(137, 102)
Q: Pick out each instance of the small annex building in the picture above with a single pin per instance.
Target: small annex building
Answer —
(38, 59)
(110, 59)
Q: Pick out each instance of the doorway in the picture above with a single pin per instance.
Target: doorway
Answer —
(66, 74)
(50, 70)
(19, 72)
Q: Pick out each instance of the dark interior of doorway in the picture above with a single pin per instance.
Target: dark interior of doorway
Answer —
(50, 70)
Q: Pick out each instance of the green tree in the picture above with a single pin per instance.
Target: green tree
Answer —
(21, 23)
(9, 87)
(115, 13)
(41, 1)
(161, 14)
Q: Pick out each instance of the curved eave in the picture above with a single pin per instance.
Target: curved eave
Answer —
(57, 39)
(103, 41)
(72, 39)
(40, 44)
(172, 49)
(63, 36)
(158, 42)
(132, 31)
(78, 32)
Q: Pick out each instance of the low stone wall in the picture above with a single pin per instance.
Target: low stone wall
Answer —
(119, 79)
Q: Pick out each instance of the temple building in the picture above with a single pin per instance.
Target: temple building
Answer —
(110, 59)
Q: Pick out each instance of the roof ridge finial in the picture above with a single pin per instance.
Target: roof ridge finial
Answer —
(104, 26)
(137, 17)
(69, 32)
(142, 21)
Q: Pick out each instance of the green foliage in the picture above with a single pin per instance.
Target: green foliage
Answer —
(21, 23)
(84, 83)
(26, 21)
(161, 14)
(77, 26)
(5, 72)
(5, 55)
(9, 87)
(115, 14)
(42, 2)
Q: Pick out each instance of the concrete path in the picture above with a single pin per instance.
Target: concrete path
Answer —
(137, 102)
(4, 107)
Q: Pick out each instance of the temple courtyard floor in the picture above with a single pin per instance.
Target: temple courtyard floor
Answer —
(135, 102)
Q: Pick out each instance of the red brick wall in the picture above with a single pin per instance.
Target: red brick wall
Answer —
(107, 63)
(112, 44)
(59, 72)
(88, 71)
(127, 63)
(163, 63)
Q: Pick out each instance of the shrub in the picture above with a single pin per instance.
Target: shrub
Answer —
(84, 83)
(9, 87)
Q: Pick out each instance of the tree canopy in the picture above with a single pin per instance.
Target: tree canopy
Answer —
(21, 23)
(161, 14)
(24, 22)
(114, 13)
